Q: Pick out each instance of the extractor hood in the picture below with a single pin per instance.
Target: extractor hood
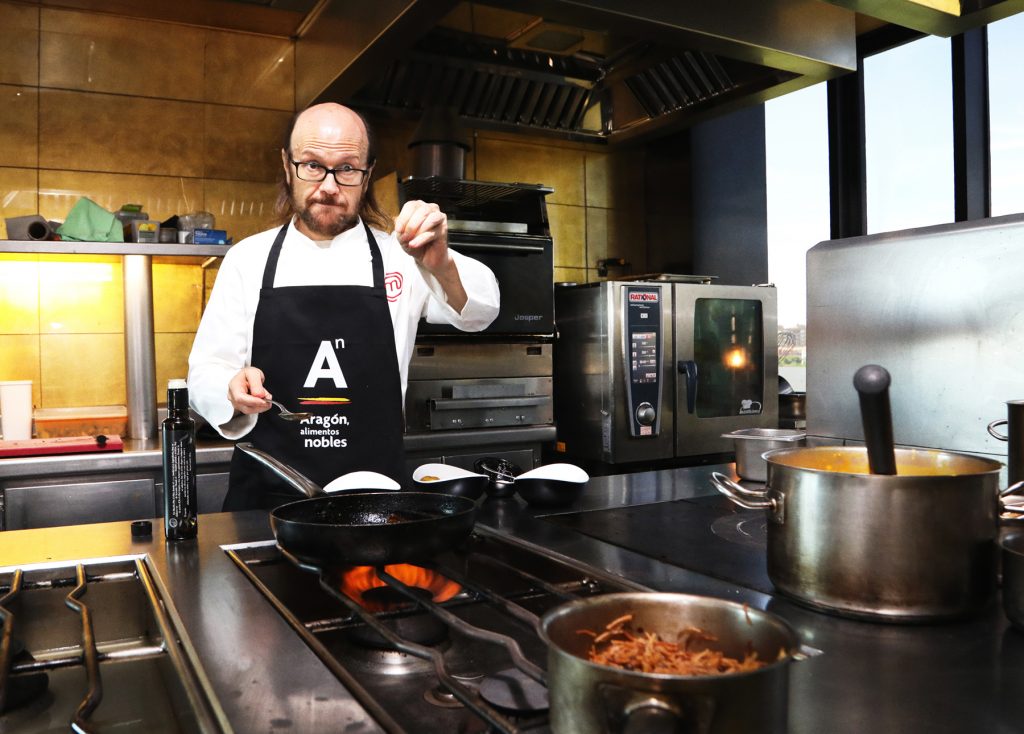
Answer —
(936, 17)
(602, 71)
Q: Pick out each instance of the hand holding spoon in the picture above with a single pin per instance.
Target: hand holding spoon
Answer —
(287, 414)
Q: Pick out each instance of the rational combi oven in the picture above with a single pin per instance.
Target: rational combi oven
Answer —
(657, 369)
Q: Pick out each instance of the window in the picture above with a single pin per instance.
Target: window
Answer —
(1006, 113)
(796, 149)
(908, 119)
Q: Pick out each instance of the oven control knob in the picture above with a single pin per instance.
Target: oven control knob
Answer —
(645, 414)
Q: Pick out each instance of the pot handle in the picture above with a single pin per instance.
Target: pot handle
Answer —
(750, 499)
(631, 711)
(654, 716)
(996, 434)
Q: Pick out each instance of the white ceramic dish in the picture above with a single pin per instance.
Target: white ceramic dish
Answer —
(361, 480)
(443, 472)
(558, 472)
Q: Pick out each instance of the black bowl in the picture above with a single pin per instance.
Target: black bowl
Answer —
(471, 487)
(501, 474)
(543, 492)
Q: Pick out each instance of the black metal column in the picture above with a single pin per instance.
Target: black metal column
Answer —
(971, 150)
(846, 170)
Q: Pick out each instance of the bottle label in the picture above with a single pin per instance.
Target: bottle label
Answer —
(179, 484)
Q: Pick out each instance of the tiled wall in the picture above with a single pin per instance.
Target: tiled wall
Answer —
(180, 118)
(597, 210)
(173, 117)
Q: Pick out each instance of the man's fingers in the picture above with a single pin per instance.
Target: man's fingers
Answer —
(421, 239)
(246, 392)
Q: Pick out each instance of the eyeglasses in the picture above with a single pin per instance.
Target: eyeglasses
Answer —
(344, 175)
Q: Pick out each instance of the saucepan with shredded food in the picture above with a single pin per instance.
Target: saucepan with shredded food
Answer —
(648, 661)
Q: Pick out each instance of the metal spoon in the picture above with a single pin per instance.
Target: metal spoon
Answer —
(287, 414)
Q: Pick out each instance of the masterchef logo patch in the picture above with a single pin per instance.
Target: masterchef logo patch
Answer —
(393, 285)
(643, 297)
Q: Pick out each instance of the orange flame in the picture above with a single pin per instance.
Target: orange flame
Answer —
(735, 358)
(359, 579)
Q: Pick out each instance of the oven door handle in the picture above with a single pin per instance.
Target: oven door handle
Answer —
(493, 247)
(471, 403)
(689, 368)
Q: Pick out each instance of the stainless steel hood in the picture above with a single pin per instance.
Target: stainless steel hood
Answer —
(937, 17)
(554, 67)
(601, 71)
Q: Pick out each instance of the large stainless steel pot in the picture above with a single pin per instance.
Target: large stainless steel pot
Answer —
(917, 545)
(1013, 577)
(597, 699)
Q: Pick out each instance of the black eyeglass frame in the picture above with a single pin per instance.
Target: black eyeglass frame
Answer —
(333, 172)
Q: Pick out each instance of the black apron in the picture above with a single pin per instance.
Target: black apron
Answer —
(328, 350)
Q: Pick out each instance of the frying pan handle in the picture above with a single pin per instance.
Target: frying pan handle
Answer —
(294, 477)
(750, 499)
(872, 384)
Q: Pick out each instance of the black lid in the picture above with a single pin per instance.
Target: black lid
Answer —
(142, 529)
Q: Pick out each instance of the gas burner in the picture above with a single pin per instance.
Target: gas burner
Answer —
(475, 590)
(513, 690)
(387, 662)
(423, 629)
(748, 531)
(443, 698)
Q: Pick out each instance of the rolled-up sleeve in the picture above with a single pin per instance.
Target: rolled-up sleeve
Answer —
(483, 296)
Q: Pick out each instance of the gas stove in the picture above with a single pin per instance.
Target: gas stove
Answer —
(96, 646)
(449, 646)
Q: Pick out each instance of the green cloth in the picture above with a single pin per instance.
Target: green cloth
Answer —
(89, 222)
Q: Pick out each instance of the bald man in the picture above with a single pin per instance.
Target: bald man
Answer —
(321, 314)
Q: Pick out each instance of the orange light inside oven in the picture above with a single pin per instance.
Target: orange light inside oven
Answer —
(360, 579)
(735, 358)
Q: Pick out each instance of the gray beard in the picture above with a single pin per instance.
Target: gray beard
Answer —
(328, 229)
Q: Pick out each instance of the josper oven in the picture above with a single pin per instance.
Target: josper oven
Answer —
(655, 369)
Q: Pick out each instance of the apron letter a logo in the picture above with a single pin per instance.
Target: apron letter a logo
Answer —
(325, 365)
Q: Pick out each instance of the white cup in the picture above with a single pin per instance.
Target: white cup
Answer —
(16, 409)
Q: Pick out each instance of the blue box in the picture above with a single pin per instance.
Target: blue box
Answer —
(210, 237)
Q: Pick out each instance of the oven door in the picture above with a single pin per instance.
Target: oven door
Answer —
(726, 365)
(524, 268)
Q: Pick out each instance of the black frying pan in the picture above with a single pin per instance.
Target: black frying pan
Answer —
(365, 528)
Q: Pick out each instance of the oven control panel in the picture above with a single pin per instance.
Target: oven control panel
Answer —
(642, 333)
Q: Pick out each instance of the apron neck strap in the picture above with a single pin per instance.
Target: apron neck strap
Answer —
(377, 262)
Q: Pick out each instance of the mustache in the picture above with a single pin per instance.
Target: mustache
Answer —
(328, 199)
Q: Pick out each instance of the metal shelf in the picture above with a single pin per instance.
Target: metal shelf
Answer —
(112, 248)
(140, 357)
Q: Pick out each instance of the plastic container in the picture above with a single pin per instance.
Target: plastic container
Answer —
(16, 409)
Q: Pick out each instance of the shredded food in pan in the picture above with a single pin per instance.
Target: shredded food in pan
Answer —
(645, 652)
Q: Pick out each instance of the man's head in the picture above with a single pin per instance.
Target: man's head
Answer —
(327, 136)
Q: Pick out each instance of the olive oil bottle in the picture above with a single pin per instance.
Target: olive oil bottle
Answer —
(179, 456)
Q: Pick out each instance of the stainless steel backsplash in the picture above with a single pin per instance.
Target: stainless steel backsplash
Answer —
(942, 308)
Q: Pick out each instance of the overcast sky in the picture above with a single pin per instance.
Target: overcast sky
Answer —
(909, 151)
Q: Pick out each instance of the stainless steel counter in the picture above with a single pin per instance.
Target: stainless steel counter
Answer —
(956, 677)
(138, 455)
(47, 491)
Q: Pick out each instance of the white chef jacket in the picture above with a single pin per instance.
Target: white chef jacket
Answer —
(223, 343)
